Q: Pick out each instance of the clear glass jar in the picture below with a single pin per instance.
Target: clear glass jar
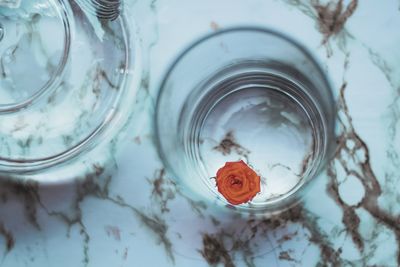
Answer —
(70, 73)
(246, 94)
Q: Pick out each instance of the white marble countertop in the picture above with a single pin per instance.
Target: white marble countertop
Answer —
(131, 213)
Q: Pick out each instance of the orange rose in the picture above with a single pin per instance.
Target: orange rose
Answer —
(237, 182)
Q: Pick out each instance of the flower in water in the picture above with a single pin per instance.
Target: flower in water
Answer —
(237, 182)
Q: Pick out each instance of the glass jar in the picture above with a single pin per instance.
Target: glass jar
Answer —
(252, 95)
(70, 71)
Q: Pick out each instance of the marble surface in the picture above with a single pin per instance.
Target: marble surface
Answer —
(130, 212)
